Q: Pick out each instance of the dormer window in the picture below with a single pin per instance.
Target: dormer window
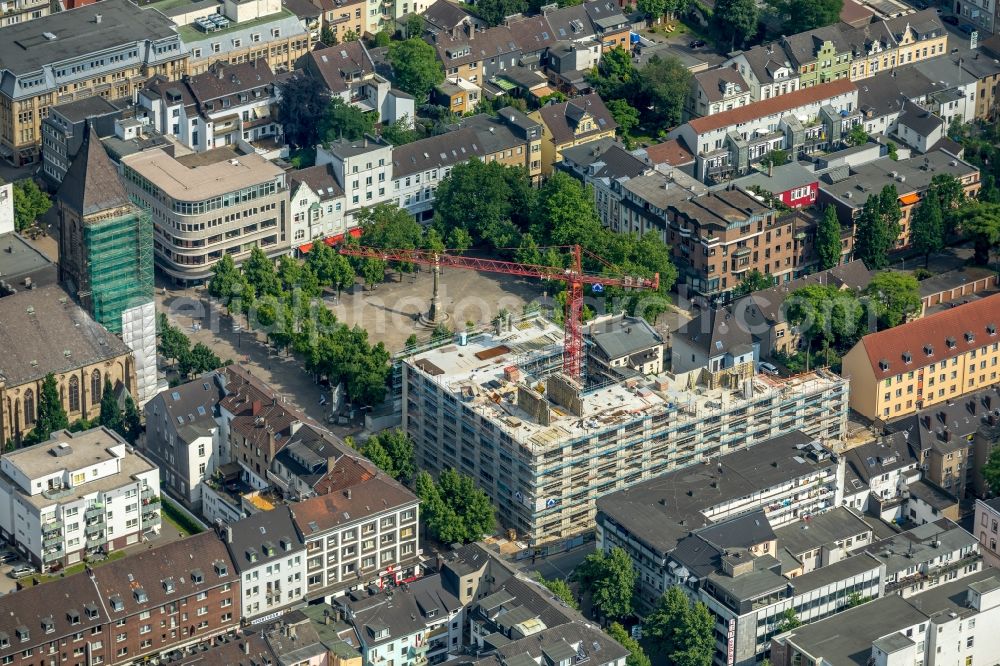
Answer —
(48, 625)
(907, 358)
(91, 611)
(22, 633)
(883, 365)
(951, 342)
(140, 595)
(197, 576)
(73, 616)
(168, 585)
(991, 329)
(252, 554)
(117, 604)
(970, 336)
(221, 569)
(929, 350)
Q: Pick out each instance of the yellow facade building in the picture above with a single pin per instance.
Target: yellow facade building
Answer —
(580, 120)
(927, 361)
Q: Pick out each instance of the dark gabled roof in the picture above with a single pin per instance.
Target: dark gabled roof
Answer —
(571, 23)
(532, 34)
(190, 405)
(249, 650)
(605, 15)
(91, 184)
(82, 109)
(372, 496)
(263, 537)
(803, 47)
(769, 303)
(225, 80)
(619, 163)
(488, 43)
(335, 63)
(716, 331)
(446, 15)
(672, 153)
(765, 60)
(919, 119)
(620, 337)
(713, 82)
(948, 423)
(561, 119)
(319, 179)
(43, 330)
(302, 8)
(925, 24)
(881, 457)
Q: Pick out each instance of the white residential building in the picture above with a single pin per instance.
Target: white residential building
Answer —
(987, 529)
(270, 558)
(316, 207)
(77, 493)
(364, 170)
(226, 105)
(183, 436)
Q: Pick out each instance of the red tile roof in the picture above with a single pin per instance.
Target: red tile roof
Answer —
(768, 107)
(673, 153)
(936, 330)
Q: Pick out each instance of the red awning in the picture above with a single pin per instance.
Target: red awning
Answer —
(332, 240)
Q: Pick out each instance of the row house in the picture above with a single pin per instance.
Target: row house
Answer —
(269, 556)
(364, 534)
(803, 121)
(767, 71)
(150, 603)
(510, 138)
(717, 90)
(925, 362)
(344, 19)
(572, 123)
(316, 206)
(226, 105)
(348, 72)
(604, 165)
(849, 189)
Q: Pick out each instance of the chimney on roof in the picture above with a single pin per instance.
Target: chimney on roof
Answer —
(221, 72)
(255, 408)
(770, 168)
(347, 493)
(246, 647)
(470, 30)
(229, 534)
(97, 18)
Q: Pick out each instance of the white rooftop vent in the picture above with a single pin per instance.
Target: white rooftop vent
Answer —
(49, 36)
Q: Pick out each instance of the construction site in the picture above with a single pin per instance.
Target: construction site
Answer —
(500, 407)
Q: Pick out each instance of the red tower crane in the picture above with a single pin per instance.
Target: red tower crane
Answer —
(574, 277)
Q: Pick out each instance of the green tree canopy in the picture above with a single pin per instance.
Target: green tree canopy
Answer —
(454, 509)
(680, 632)
(416, 67)
(226, 281)
(559, 588)
(260, 273)
(346, 121)
(111, 414)
(895, 295)
(30, 203)
(664, 85)
(828, 243)
(980, 223)
(495, 11)
(753, 281)
(927, 226)
(636, 656)
(826, 314)
(173, 344)
(400, 132)
(804, 15)
(50, 415)
(789, 621)
(610, 580)
(392, 452)
(489, 201)
(303, 107)
(626, 115)
(201, 359)
(735, 22)
(878, 228)
(991, 470)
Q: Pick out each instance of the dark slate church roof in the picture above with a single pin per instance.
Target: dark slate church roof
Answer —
(92, 183)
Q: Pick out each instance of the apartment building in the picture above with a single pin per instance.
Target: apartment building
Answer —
(925, 362)
(62, 132)
(227, 105)
(808, 119)
(986, 528)
(421, 623)
(183, 436)
(77, 494)
(112, 614)
(954, 623)
(717, 90)
(767, 70)
(510, 137)
(237, 31)
(567, 124)
(108, 49)
(37, 329)
(269, 557)
(360, 535)
(821, 55)
(911, 178)
(316, 207)
(348, 72)
(344, 18)
(208, 204)
(363, 169)
(605, 166)
(19, 11)
(544, 457)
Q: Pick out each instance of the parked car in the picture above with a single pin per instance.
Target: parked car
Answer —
(6, 557)
(22, 571)
(696, 44)
(767, 368)
(967, 29)
(950, 20)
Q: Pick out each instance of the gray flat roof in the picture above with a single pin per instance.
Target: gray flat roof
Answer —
(820, 530)
(88, 107)
(25, 47)
(831, 573)
(664, 509)
(19, 257)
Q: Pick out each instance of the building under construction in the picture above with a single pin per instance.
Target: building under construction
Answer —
(106, 255)
(495, 406)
